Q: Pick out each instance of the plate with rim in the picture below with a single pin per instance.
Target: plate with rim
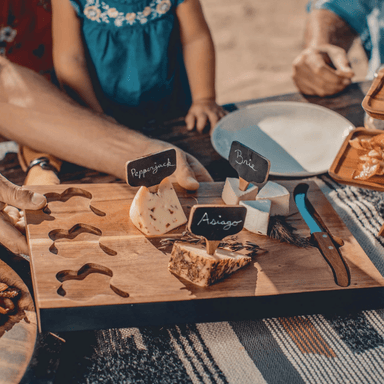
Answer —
(299, 139)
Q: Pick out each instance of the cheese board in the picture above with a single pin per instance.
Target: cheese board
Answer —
(92, 268)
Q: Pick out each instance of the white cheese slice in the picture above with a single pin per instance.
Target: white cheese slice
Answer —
(279, 197)
(232, 195)
(157, 213)
(192, 262)
(257, 218)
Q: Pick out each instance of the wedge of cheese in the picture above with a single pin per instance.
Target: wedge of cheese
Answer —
(279, 197)
(157, 213)
(192, 263)
(257, 218)
(232, 195)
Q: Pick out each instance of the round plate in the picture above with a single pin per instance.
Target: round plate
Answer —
(18, 331)
(299, 139)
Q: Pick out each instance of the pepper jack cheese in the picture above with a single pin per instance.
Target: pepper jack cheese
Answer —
(192, 262)
(157, 213)
(232, 195)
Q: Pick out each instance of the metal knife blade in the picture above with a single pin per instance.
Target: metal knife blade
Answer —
(323, 241)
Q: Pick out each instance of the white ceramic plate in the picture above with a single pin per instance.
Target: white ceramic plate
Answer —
(299, 139)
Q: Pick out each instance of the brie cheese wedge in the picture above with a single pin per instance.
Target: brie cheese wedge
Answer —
(279, 197)
(257, 218)
(232, 195)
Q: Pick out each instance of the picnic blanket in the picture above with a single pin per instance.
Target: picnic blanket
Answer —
(315, 348)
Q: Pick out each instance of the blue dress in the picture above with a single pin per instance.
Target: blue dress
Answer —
(135, 57)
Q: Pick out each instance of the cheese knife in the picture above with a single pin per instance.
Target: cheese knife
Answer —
(320, 237)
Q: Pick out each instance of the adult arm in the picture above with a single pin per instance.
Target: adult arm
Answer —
(35, 113)
(199, 59)
(323, 67)
(69, 55)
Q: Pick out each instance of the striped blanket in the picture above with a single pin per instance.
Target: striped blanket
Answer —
(300, 349)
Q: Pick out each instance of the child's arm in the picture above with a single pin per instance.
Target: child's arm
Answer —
(69, 56)
(199, 58)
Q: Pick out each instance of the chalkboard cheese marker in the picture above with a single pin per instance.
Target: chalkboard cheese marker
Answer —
(215, 222)
(149, 171)
(249, 165)
(204, 266)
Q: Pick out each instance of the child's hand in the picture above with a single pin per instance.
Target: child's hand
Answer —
(201, 112)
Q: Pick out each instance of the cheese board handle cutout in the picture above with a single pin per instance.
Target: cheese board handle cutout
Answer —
(149, 171)
(66, 195)
(215, 222)
(249, 165)
(82, 273)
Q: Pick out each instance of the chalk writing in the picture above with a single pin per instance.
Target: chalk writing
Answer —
(240, 160)
(226, 224)
(152, 169)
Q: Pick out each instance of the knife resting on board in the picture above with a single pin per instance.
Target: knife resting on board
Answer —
(320, 236)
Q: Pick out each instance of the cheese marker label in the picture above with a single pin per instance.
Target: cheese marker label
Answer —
(215, 222)
(150, 170)
(249, 165)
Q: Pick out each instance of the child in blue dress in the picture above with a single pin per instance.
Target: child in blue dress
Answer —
(137, 60)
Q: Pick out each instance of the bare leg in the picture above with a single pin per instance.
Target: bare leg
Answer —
(35, 113)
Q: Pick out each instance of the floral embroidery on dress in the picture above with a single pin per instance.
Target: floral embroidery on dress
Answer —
(7, 34)
(98, 10)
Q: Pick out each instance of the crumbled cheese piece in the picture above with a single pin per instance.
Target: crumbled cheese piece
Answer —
(232, 195)
(157, 213)
(192, 262)
(279, 197)
(257, 218)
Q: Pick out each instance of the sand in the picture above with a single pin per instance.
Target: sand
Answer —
(256, 42)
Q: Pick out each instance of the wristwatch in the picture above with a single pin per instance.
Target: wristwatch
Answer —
(44, 163)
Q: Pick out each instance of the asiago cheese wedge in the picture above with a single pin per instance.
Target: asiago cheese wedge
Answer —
(157, 213)
(192, 263)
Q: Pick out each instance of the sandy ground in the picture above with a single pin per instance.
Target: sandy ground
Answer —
(256, 42)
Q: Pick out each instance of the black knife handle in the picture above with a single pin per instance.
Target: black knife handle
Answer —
(333, 257)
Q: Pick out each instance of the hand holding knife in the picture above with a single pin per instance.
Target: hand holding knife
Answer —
(323, 241)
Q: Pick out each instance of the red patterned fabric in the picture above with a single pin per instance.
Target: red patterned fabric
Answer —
(25, 34)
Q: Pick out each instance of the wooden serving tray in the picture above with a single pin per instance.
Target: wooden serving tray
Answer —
(373, 102)
(347, 159)
(92, 268)
(18, 331)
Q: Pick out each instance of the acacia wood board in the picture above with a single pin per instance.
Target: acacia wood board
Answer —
(92, 268)
(345, 165)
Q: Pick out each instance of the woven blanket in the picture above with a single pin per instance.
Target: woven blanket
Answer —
(300, 349)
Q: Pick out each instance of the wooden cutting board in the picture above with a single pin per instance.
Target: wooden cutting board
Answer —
(92, 268)
(17, 332)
